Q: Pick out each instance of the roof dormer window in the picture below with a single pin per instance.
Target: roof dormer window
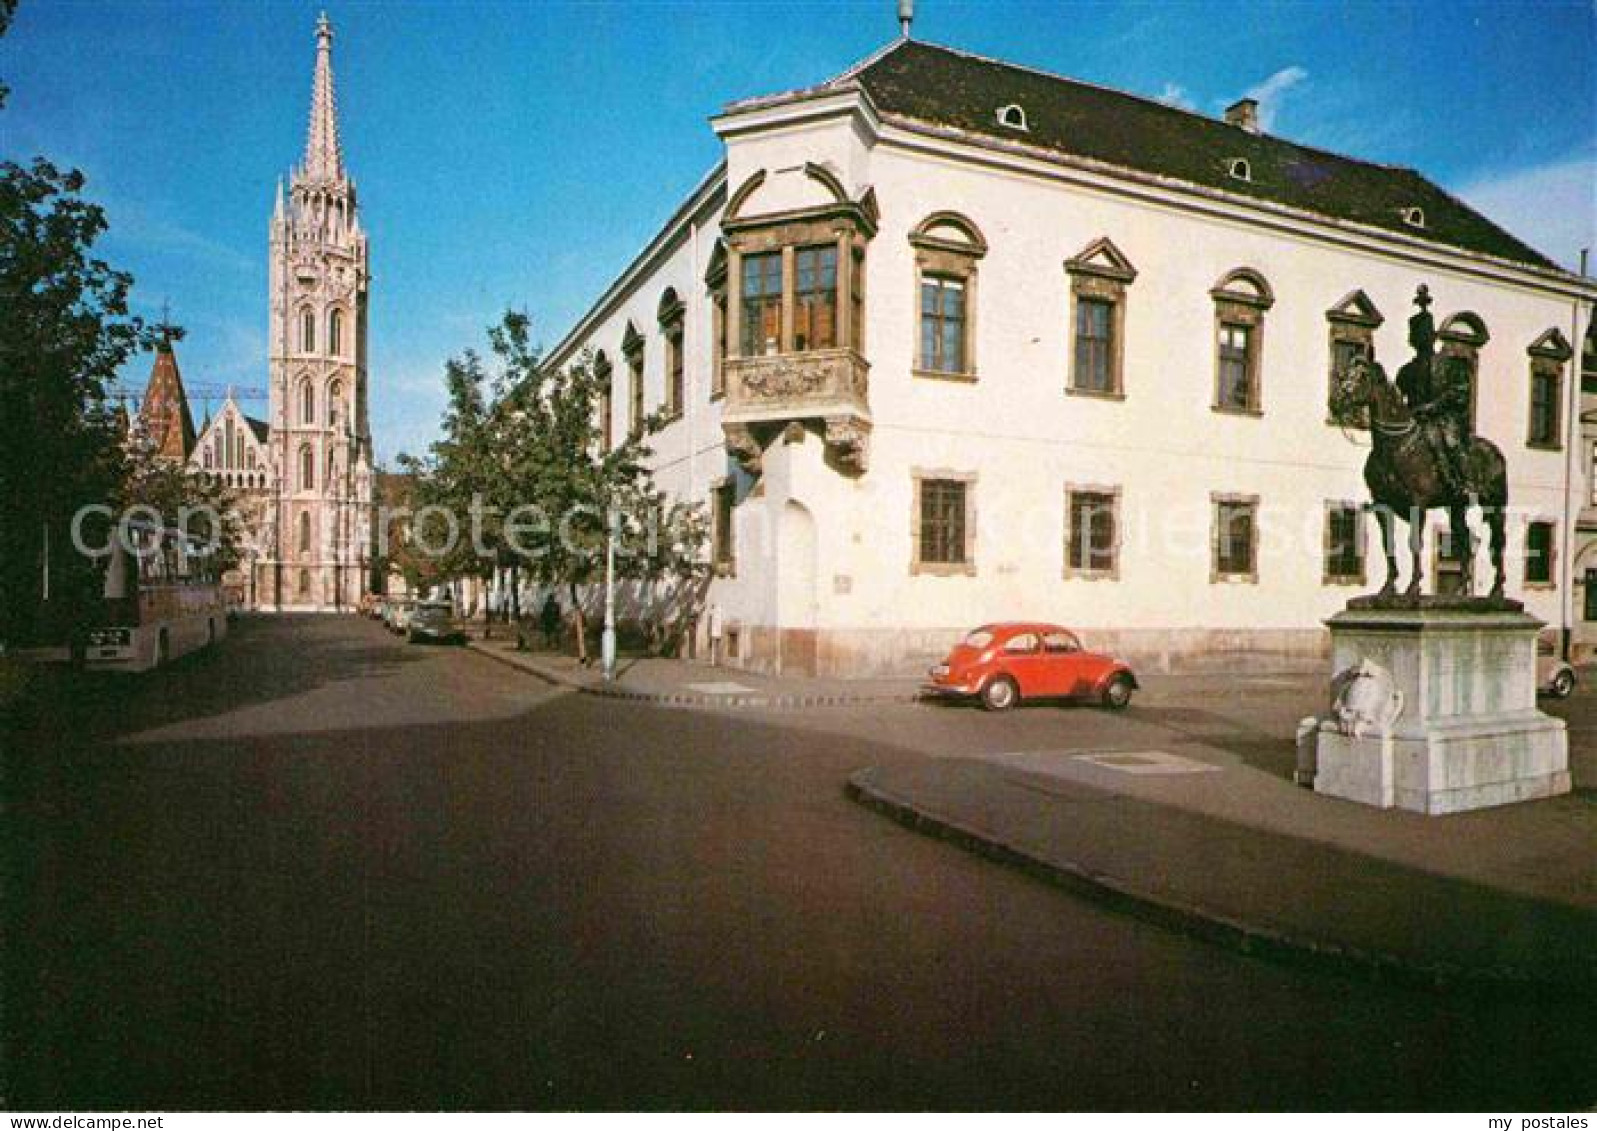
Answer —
(1239, 169)
(1414, 217)
(1012, 116)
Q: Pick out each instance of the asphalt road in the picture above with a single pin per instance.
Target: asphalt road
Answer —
(319, 869)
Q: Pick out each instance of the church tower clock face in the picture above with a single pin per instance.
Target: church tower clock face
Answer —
(317, 558)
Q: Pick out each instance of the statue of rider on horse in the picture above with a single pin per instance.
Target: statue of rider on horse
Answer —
(1424, 453)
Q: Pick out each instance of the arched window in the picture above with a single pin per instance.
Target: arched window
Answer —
(335, 400)
(307, 396)
(305, 532)
(335, 333)
(947, 249)
(307, 468)
(1240, 301)
(307, 332)
(304, 583)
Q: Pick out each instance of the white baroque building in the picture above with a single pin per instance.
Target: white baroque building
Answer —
(948, 340)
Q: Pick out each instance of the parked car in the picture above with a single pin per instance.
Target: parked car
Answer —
(1001, 664)
(434, 620)
(399, 614)
(1554, 676)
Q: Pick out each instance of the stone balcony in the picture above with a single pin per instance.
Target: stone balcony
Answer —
(765, 394)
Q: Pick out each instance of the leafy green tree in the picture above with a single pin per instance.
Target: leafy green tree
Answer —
(64, 331)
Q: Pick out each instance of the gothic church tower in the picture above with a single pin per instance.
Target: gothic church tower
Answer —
(319, 528)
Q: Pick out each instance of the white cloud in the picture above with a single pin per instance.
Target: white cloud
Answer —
(1271, 92)
(1174, 94)
(1552, 207)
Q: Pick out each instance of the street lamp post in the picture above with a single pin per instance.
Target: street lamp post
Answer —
(607, 640)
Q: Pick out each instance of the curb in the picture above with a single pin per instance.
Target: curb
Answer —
(695, 702)
(1199, 922)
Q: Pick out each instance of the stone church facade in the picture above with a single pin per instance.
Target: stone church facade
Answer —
(316, 525)
(945, 340)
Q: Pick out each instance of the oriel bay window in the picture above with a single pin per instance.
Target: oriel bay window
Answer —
(815, 297)
(762, 304)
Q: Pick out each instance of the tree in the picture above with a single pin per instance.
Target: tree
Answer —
(526, 445)
(64, 331)
(197, 503)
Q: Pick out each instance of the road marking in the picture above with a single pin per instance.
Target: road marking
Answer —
(726, 687)
(1147, 762)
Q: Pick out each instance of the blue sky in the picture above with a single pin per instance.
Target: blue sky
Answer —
(520, 153)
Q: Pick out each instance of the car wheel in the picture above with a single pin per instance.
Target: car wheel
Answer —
(1117, 696)
(1563, 683)
(1000, 693)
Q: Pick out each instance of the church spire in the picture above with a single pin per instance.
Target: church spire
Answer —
(323, 159)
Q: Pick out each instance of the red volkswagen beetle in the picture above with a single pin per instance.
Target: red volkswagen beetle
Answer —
(1001, 664)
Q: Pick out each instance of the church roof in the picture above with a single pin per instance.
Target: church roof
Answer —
(164, 414)
(261, 429)
(962, 92)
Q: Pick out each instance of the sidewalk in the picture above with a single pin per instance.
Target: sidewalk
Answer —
(1196, 841)
(687, 683)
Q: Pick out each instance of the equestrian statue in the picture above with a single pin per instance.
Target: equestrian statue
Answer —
(1424, 453)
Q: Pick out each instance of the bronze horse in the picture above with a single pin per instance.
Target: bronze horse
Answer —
(1406, 482)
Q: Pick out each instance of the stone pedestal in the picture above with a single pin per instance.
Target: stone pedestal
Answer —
(1459, 728)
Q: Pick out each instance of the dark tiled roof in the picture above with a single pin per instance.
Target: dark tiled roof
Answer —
(261, 429)
(949, 88)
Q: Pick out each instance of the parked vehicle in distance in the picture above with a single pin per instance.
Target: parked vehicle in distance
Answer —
(1001, 664)
(399, 611)
(1554, 676)
(161, 599)
(434, 620)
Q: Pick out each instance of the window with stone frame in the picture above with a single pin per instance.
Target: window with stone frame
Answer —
(1351, 323)
(814, 297)
(1589, 603)
(307, 402)
(1460, 340)
(942, 325)
(1235, 541)
(672, 316)
(307, 468)
(304, 533)
(335, 332)
(1344, 543)
(715, 284)
(1092, 532)
(1548, 356)
(632, 350)
(761, 315)
(1241, 299)
(943, 532)
(603, 376)
(948, 248)
(723, 498)
(1539, 549)
(307, 331)
(1099, 275)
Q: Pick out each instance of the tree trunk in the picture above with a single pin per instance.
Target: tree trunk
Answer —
(581, 624)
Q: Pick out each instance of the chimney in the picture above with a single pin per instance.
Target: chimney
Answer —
(1244, 114)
